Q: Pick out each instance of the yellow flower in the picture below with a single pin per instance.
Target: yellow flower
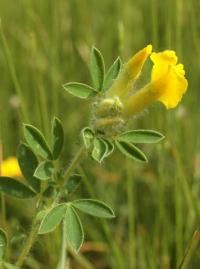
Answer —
(168, 78)
(168, 84)
(10, 168)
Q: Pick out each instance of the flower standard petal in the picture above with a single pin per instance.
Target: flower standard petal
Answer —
(135, 64)
(130, 72)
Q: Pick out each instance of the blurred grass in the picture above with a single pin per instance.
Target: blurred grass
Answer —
(49, 42)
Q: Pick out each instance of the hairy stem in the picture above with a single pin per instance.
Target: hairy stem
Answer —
(67, 173)
(28, 243)
(74, 163)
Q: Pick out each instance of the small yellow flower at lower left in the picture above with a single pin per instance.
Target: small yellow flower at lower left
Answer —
(10, 168)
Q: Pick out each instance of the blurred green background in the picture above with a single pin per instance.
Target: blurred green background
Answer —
(157, 204)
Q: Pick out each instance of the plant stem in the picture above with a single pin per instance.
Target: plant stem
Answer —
(81, 260)
(28, 244)
(131, 217)
(74, 163)
(30, 239)
(67, 173)
(63, 251)
(186, 260)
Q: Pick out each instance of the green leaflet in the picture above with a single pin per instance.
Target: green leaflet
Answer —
(80, 90)
(44, 170)
(57, 134)
(99, 150)
(112, 74)
(15, 188)
(131, 151)
(28, 163)
(94, 207)
(88, 136)
(110, 147)
(140, 136)
(73, 229)
(37, 142)
(52, 219)
(97, 68)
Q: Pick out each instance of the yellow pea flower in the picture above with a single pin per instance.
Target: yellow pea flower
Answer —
(10, 168)
(168, 84)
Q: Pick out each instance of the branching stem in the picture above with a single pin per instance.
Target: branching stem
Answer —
(35, 225)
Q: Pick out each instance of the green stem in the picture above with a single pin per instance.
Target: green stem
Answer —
(81, 260)
(131, 217)
(63, 256)
(186, 260)
(67, 173)
(31, 237)
(28, 243)
(74, 163)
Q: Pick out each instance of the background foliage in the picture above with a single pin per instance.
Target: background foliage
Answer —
(50, 42)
